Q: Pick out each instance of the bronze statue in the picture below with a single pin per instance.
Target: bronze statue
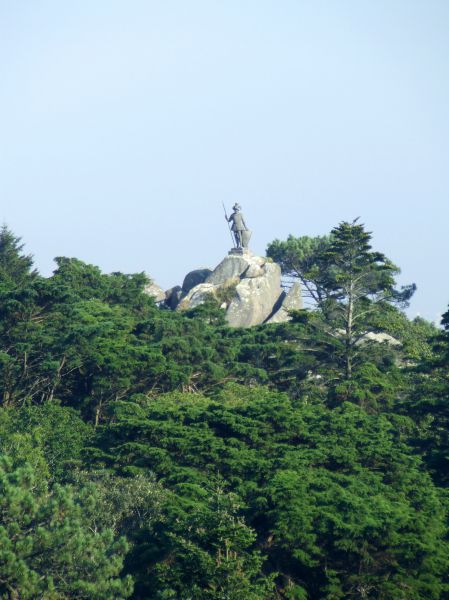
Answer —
(241, 232)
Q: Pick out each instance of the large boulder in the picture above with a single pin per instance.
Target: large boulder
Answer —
(197, 295)
(292, 300)
(194, 278)
(231, 266)
(173, 296)
(255, 298)
(248, 287)
(253, 270)
(152, 289)
(380, 338)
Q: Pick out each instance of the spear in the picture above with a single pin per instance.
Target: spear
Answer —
(229, 227)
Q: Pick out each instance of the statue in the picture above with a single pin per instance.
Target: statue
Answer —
(241, 232)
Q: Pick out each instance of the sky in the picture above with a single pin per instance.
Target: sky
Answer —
(124, 126)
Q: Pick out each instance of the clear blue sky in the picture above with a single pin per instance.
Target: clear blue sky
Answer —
(125, 125)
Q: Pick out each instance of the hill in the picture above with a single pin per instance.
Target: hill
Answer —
(157, 453)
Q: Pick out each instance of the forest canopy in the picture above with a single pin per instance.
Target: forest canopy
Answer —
(153, 454)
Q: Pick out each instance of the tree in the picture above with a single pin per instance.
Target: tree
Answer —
(82, 281)
(352, 514)
(56, 431)
(359, 281)
(48, 548)
(15, 267)
(301, 258)
(19, 313)
(340, 504)
(350, 283)
(428, 405)
(210, 554)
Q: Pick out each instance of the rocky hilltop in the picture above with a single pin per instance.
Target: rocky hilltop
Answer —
(247, 286)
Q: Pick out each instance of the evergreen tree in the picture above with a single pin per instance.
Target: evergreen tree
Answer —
(353, 287)
(48, 549)
(341, 506)
(302, 258)
(15, 266)
(210, 554)
(359, 281)
(429, 405)
(19, 314)
(123, 419)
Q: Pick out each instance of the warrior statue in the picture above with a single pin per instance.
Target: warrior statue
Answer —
(241, 232)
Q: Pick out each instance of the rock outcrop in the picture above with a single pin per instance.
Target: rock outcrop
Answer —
(173, 296)
(380, 338)
(152, 289)
(292, 300)
(247, 286)
(255, 297)
(197, 295)
(234, 265)
(194, 278)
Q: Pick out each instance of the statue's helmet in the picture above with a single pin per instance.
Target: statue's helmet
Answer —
(236, 207)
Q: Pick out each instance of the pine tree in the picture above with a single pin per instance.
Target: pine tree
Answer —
(48, 548)
(350, 283)
(18, 309)
(15, 267)
(359, 281)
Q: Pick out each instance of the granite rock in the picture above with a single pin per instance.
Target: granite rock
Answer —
(255, 298)
(248, 287)
(254, 270)
(292, 300)
(152, 289)
(173, 296)
(231, 266)
(195, 278)
(197, 295)
(380, 338)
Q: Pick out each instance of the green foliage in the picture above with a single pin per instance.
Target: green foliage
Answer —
(302, 258)
(227, 292)
(18, 313)
(350, 284)
(358, 274)
(15, 267)
(417, 336)
(86, 282)
(48, 549)
(209, 554)
(57, 432)
(305, 460)
(428, 405)
(339, 502)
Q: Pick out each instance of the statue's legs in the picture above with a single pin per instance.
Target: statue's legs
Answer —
(238, 239)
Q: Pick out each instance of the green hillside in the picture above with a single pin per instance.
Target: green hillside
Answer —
(153, 454)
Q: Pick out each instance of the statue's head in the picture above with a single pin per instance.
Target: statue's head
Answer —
(236, 207)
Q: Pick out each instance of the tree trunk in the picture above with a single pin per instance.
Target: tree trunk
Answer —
(349, 332)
